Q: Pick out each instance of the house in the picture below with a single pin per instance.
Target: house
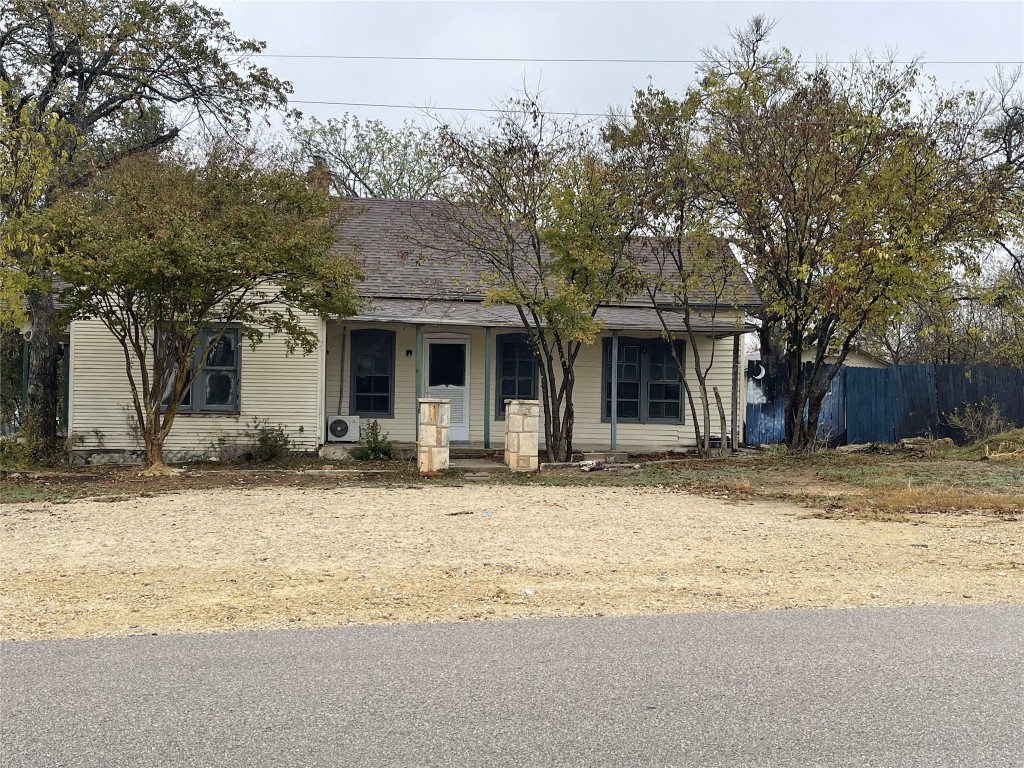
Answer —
(855, 358)
(426, 332)
(755, 371)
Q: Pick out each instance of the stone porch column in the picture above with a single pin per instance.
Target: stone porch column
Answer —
(432, 446)
(522, 427)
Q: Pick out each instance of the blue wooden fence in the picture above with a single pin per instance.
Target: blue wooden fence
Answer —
(883, 405)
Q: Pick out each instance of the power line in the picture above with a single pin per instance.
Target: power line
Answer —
(498, 110)
(424, 108)
(538, 60)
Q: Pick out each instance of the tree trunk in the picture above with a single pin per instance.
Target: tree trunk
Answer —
(155, 464)
(553, 438)
(721, 421)
(552, 426)
(770, 340)
(569, 422)
(41, 405)
(795, 393)
(559, 417)
(814, 416)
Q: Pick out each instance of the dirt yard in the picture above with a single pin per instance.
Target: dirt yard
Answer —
(225, 559)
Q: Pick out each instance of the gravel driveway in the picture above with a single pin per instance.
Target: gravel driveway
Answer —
(283, 557)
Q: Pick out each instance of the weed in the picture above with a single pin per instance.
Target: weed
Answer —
(270, 442)
(373, 445)
(13, 454)
(978, 422)
(29, 449)
(131, 421)
(937, 499)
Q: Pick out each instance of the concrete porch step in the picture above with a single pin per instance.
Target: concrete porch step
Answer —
(477, 465)
(455, 450)
(608, 457)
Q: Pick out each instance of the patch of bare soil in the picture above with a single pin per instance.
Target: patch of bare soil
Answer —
(204, 560)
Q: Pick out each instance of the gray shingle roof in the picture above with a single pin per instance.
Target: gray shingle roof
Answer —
(619, 318)
(404, 252)
(407, 251)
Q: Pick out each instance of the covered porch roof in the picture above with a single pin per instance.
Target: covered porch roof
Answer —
(475, 313)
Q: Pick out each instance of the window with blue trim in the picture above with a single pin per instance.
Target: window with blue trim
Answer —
(650, 388)
(216, 388)
(372, 383)
(516, 371)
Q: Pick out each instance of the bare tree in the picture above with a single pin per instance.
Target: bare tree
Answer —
(368, 159)
(536, 213)
(690, 276)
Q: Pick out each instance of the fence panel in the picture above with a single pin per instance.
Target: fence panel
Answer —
(915, 411)
(882, 405)
(1013, 395)
(1003, 388)
(765, 423)
(869, 405)
(832, 422)
(951, 393)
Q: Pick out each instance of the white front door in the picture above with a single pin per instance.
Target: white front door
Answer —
(446, 375)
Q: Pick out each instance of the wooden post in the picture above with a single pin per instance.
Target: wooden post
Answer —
(734, 427)
(487, 388)
(615, 389)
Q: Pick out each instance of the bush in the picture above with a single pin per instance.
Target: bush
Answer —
(13, 455)
(978, 422)
(29, 449)
(271, 442)
(373, 445)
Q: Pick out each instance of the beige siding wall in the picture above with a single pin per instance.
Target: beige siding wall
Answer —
(591, 432)
(402, 426)
(285, 390)
(854, 359)
(861, 360)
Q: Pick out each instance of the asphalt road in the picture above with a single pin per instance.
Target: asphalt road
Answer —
(875, 687)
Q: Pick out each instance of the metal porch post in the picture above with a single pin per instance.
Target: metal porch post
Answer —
(419, 377)
(615, 389)
(734, 431)
(487, 388)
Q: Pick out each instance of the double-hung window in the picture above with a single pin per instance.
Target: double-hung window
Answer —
(516, 369)
(372, 387)
(216, 388)
(649, 386)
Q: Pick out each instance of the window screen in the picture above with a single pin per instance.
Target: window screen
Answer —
(447, 365)
(649, 385)
(373, 373)
(216, 388)
(516, 371)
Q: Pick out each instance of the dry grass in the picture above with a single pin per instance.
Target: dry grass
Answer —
(934, 499)
(739, 488)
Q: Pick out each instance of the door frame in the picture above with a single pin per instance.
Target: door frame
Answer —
(460, 338)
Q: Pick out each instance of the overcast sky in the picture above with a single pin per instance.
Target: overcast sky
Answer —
(937, 31)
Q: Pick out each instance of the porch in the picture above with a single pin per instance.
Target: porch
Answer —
(379, 364)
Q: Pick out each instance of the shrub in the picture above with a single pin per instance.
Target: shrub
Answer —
(271, 442)
(29, 449)
(13, 455)
(977, 422)
(373, 445)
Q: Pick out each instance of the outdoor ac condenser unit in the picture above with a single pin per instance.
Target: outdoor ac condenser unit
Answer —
(342, 429)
